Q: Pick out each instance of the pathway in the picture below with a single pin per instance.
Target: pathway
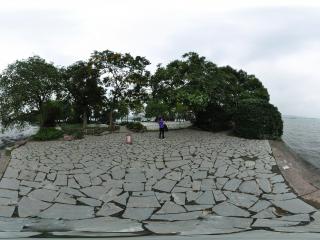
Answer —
(192, 182)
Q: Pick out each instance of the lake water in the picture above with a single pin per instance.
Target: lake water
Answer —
(303, 137)
(13, 134)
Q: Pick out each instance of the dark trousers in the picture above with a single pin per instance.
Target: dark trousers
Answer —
(161, 132)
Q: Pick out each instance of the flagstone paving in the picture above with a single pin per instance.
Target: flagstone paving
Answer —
(213, 182)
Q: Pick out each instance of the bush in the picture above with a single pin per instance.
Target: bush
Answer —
(52, 111)
(213, 118)
(136, 127)
(258, 120)
(45, 134)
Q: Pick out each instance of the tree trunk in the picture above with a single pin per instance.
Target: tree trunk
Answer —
(85, 119)
(111, 121)
(42, 117)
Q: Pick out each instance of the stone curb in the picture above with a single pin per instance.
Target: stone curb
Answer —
(302, 177)
(5, 155)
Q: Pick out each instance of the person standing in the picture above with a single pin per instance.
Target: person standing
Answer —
(161, 128)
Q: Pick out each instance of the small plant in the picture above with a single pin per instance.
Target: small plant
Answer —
(136, 127)
(45, 134)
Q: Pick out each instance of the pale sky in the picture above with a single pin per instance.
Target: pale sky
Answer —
(278, 41)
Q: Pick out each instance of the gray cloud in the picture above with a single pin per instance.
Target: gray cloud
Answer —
(279, 44)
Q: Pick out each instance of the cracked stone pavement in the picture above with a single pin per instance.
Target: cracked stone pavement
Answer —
(192, 182)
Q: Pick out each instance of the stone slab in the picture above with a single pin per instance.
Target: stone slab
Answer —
(65, 211)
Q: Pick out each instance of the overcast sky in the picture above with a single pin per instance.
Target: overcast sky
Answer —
(278, 41)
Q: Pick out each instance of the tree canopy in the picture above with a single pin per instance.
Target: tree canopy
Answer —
(124, 78)
(117, 84)
(83, 89)
(24, 88)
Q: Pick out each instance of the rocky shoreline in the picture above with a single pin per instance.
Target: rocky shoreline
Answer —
(10, 136)
(302, 176)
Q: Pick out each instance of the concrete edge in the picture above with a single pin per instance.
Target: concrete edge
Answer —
(5, 156)
(301, 176)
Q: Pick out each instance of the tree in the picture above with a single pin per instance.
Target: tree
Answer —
(125, 77)
(210, 92)
(181, 111)
(52, 111)
(83, 90)
(236, 86)
(122, 111)
(258, 119)
(156, 109)
(189, 82)
(25, 86)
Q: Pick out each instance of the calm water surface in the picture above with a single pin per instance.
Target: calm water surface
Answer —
(303, 137)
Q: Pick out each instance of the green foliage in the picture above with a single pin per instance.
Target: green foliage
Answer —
(125, 77)
(258, 119)
(136, 127)
(181, 111)
(79, 134)
(189, 81)
(123, 111)
(156, 108)
(211, 93)
(74, 130)
(45, 134)
(52, 111)
(113, 84)
(81, 83)
(236, 86)
(78, 131)
(24, 87)
(213, 118)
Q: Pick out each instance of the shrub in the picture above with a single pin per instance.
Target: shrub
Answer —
(136, 127)
(52, 111)
(45, 134)
(258, 119)
(213, 118)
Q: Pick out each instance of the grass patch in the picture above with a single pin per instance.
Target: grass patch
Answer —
(75, 130)
(78, 131)
(45, 134)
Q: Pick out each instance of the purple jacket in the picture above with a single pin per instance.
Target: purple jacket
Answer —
(161, 123)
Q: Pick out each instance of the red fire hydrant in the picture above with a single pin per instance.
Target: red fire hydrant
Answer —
(128, 139)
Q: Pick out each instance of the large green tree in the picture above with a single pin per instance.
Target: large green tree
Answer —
(82, 84)
(236, 86)
(188, 83)
(125, 78)
(197, 85)
(25, 86)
